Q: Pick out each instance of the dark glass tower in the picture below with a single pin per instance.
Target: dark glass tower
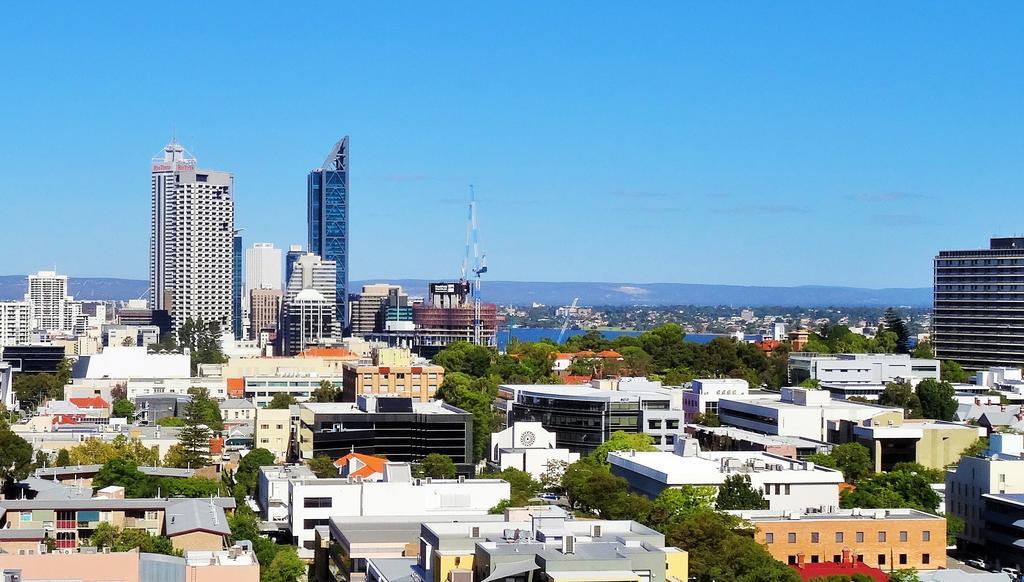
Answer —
(236, 286)
(327, 218)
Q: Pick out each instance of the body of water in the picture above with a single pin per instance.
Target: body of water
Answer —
(535, 334)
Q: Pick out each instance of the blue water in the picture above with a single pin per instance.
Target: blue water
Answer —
(534, 334)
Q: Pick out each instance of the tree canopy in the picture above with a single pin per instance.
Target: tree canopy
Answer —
(436, 466)
(938, 399)
(623, 441)
(281, 401)
(853, 459)
(737, 493)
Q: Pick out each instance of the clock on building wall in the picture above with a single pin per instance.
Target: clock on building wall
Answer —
(527, 438)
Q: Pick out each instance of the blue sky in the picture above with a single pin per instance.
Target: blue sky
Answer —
(749, 143)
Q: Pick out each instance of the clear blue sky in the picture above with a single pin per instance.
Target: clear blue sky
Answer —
(755, 143)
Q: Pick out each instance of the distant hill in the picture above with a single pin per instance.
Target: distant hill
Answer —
(14, 287)
(525, 293)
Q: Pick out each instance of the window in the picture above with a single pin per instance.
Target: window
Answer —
(814, 559)
(769, 538)
(903, 559)
(839, 537)
(881, 559)
(836, 558)
(860, 537)
(787, 488)
(926, 558)
(791, 537)
(792, 560)
(311, 523)
(672, 424)
(881, 536)
(653, 424)
(314, 502)
(280, 426)
(926, 536)
(814, 537)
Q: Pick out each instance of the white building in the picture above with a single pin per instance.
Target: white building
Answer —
(191, 239)
(304, 318)
(860, 368)
(527, 446)
(15, 322)
(51, 309)
(299, 385)
(1001, 471)
(996, 376)
(787, 484)
(125, 362)
(263, 263)
(703, 396)
(308, 502)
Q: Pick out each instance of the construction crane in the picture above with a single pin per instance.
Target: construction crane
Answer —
(479, 264)
(568, 316)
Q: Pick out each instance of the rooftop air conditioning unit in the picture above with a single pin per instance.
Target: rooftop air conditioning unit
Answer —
(595, 531)
(460, 576)
(568, 545)
(474, 532)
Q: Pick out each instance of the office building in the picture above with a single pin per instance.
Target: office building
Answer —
(979, 313)
(392, 372)
(263, 264)
(51, 308)
(191, 240)
(328, 217)
(704, 394)
(307, 501)
(237, 283)
(15, 322)
(860, 369)
(398, 429)
(447, 316)
(730, 438)
(294, 252)
(308, 316)
(264, 315)
(365, 309)
(786, 484)
(881, 538)
(33, 359)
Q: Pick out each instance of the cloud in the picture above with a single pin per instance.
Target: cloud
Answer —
(633, 291)
(899, 219)
(884, 197)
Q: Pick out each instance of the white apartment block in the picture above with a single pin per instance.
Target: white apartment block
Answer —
(263, 263)
(703, 396)
(860, 368)
(800, 412)
(15, 322)
(191, 239)
(51, 309)
(262, 389)
(1001, 471)
(312, 502)
(786, 484)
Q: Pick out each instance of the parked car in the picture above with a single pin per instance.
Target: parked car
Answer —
(976, 563)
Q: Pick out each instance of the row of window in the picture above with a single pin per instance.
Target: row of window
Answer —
(901, 558)
(791, 537)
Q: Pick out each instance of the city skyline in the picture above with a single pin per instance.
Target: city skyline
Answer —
(690, 134)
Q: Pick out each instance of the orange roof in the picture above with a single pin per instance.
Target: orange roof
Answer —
(577, 379)
(216, 445)
(91, 402)
(328, 353)
(236, 387)
(610, 354)
(370, 466)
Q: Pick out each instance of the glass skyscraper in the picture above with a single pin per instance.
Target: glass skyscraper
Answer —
(236, 286)
(327, 218)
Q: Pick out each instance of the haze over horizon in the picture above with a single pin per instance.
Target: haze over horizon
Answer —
(778, 145)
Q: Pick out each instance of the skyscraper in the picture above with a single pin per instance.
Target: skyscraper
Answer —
(262, 267)
(52, 310)
(191, 258)
(327, 214)
(308, 315)
(236, 285)
(979, 305)
(294, 252)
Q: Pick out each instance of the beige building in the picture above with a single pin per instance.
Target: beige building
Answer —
(392, 373)
(264, 312)
(273, 431)
(237, 411)
(237, 564)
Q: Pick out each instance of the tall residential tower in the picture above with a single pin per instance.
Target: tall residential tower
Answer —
(191, 254)
(327, 216)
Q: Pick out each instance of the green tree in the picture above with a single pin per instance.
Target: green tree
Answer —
(194, 437)
(96, 451)
(894, 323)
(209, 411)
(938, 399)
(952, 372)
(322, 466)
(326, 392)
(853, 459)
(63, 458)
(902, 395)
(125, 473)
(281, 401)
(285, 567)
(436, 466)
(666, 346)
(675, 503)
(954, 527)
(33, 389)
(923, 350)
(813, 383)
(623, 441)
(976, 449)
(15, 455)
(707, 419)
(202, 338)
(170, 421)
(893, 489)
(905, 575)
(551, 478)
(932, 475)
(524, 487)
(248, 470)
(176, 457)
(475, 396)
(464, 357)
(123, 409)
(737, 493)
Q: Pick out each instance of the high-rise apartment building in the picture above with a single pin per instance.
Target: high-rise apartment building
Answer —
(191, 267)
(262, 267)
(15, 322)
(236, 286)
(307, 318)
(327, 215)
(365, 315)
(52, 309)
(979, 305)
(264, 313)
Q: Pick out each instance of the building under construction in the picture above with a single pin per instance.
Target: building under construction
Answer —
(448, 316)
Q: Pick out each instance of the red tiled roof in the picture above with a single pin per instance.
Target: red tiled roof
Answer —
(609, 354)
(371, 464)
(90, 402)
(577, 379)
(216, 445)
(236, 387)
(826, 569)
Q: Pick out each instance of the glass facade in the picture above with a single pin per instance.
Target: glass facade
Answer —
(327, 217)
(236, 287)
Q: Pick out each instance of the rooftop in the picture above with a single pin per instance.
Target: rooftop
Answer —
(711, 468)
(764, 515)
(435, 407)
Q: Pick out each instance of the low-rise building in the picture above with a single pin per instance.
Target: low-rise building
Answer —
(704, 394)
(273, 431)
(860, 368)
(527, 446)
(999, 472)
(399, 429)
(729, 438)
(785, 483)
(235, 411)
(881, 538)
(798, 412)
(260, 390)
(392, 372)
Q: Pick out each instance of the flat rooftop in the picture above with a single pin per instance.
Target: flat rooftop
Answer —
(574, 392)
(435, 407)
(763, 439)
(764, 515)
(707, 469)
